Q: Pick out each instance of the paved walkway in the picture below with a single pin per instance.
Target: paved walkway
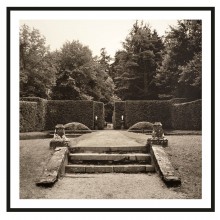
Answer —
(107, 138)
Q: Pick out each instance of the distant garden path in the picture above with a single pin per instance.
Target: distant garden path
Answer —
(107, 138)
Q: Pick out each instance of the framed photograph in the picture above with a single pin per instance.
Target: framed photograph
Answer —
(136, 84)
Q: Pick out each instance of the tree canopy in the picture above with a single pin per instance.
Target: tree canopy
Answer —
(135, 66)
(148, 66)
(80, 76)
(180, 73)
(37, 70)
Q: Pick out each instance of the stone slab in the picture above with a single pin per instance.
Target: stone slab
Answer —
(105, 149)
(54, 168)
(99, 169)
(135, 157)
(134, 168)
(75, 169)
(164, 167)
(129, 168)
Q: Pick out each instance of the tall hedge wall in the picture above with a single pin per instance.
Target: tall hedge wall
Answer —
(40, 113)
(66, 111)
(173, 114)
(187, 116)
(119, 110)
(100, 113)
(28, 111)
(149, 110)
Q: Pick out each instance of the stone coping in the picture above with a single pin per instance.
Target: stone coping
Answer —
(164, 167)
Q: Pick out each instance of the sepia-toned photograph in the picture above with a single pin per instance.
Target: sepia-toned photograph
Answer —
(111, 108)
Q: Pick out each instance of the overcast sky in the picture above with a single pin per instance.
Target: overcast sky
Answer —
(95, 34)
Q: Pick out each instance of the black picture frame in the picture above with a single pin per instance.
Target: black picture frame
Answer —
(8, 147)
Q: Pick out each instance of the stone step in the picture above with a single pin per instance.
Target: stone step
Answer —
(131, 168)
(113, 149)
(109, 158)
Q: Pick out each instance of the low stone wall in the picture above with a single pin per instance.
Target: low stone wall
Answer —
(164, 167)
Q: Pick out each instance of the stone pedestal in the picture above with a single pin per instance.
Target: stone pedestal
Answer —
(157, 136)
(59, 139)
(59, 143)
(157, 141)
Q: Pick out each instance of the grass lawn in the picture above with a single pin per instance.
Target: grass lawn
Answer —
(185, 153)
(34, 155)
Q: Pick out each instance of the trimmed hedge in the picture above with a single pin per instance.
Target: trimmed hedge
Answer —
(142, 125)
(67, 111)
(41, 111)
(187, 116)
(119, 110)
(149, 110)
(28, 112)
(76, 126)
(100, 113)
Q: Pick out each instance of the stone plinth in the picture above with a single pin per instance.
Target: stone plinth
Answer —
(157, 136)
(157, 141)
(59, 143)
(59, 138)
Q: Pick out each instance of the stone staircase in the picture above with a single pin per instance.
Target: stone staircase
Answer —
(111, 159)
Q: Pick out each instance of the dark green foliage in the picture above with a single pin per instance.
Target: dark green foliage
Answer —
(180, 73)
(173, 114)
(99, 112)
(150, 110)
(28, 112)
(40, 111)
(109, 107)
(143, 125)
(80, 76)
(187, 116)
(135, 66)
(63, 112)
(119, 110)
(37, 69)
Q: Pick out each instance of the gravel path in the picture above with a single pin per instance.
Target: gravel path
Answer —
(112, 186)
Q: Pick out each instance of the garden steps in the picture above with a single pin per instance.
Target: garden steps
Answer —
(109, 151)
(134, 159)
(116, 162)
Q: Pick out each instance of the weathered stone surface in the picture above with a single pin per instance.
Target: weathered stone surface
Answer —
(132, 157)
(75, 169)
(54, 168)
(134, 168)
(59, 143)
(99, 169)
(105, 149)
(157, 141)
(164, 167)
(129, 168)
